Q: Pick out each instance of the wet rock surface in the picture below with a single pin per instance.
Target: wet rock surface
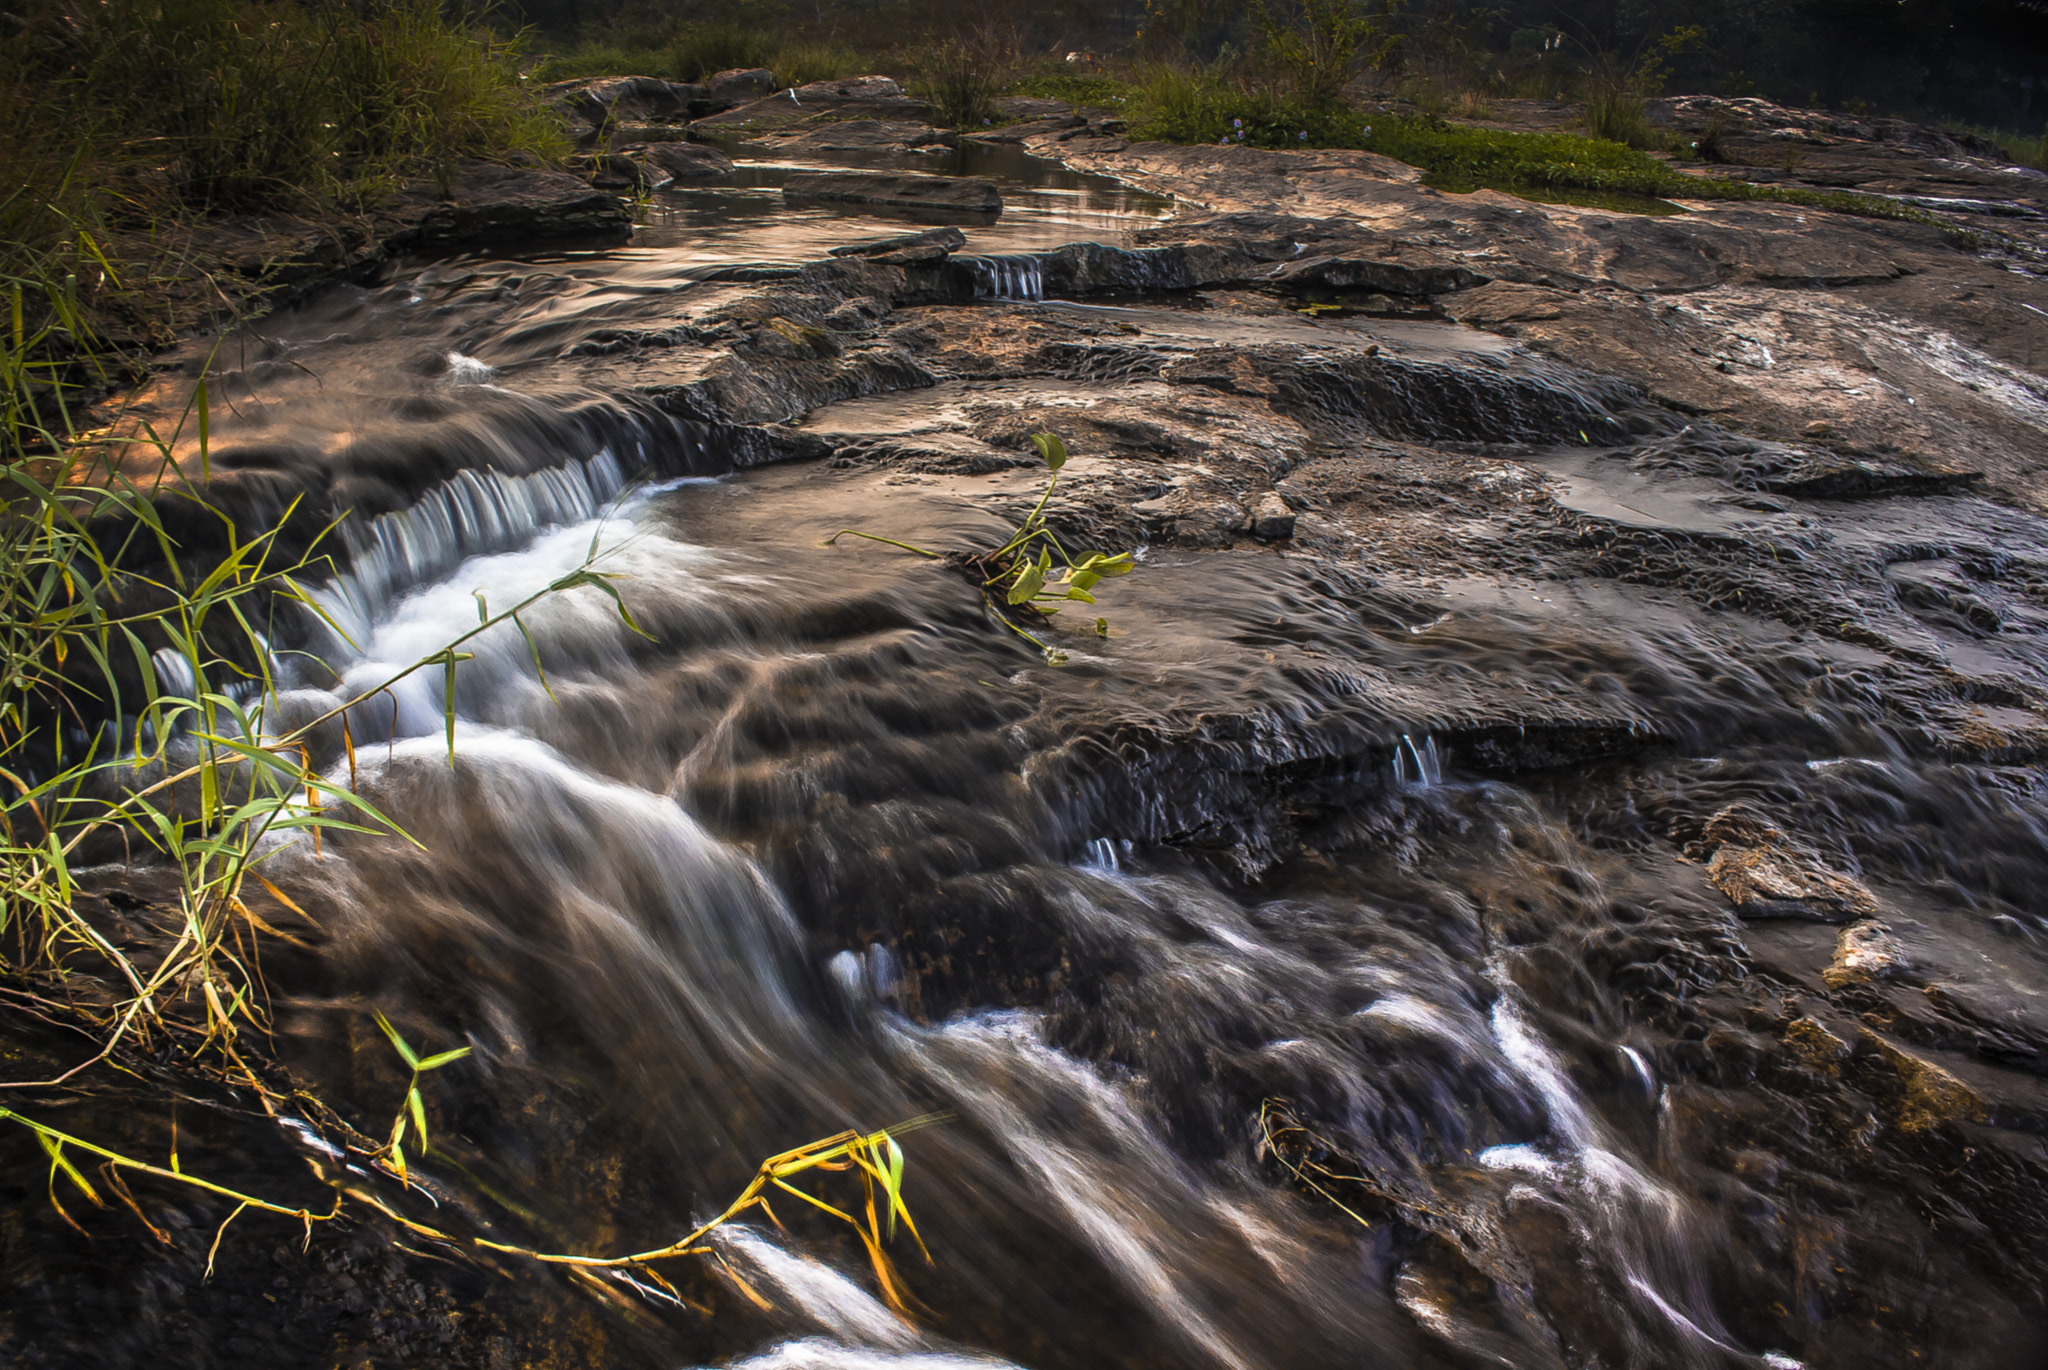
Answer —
(688, 161)
(1539, 796)
(879, 188)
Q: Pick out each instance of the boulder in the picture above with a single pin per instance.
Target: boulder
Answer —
(689, 161)
(1864, 952)
(1765, 873)
(1272, 520)
(1091, 268)
(850, 88)
(627, 99)
(491, 203)
(971, 193)
(738, 86)
(1383, 277)
(620, 171)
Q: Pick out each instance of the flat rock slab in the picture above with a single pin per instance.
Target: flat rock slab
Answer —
(864, 135)
(971, 193)
(821, 102)
(492, 203)
(689, 161)
(851, 88)
(944, 240)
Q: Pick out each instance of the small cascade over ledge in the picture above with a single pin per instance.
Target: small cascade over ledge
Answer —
(1018, 276)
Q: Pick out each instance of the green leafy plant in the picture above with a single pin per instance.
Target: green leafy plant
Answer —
(414, 1110)
(704, 50)
(238, 103)
(1623, 82)
(135, 685)
(959, 73)
(1321, 44)
(1031, 575)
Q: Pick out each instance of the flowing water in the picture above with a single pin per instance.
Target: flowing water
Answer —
(1311, 863)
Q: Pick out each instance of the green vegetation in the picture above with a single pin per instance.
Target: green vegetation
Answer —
(1321, 44)
(414, 1110)
(695, 52)
(875, 1157)
(1081, 91)
(233, 103)
(2020, 149)
(134, 689)
(1021, 578)
(1620, 85)
(958, 78)
(1197, 105)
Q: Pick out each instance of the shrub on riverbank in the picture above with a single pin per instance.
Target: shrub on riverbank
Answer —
(128, 117)
(1204, 105)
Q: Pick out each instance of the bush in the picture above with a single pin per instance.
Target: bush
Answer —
(1320, 44)
(704, 50)
(1056, 83)
(958, 76)
(802, 63)
(1621, 84)
(587, 61)
(235, 103)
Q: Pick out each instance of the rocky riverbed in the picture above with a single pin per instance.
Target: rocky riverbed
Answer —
(1545, 867)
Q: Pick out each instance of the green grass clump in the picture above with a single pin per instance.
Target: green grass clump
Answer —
(1032, 576)
(1081, 91)
(799, 64)
(1200, 106)
(2020, 149)
(590, 60)
(1505, 159)
(703, 50)
(246, 104)
(1191, 107)
(695, 53)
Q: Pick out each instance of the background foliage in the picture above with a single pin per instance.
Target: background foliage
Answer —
(1982, 62)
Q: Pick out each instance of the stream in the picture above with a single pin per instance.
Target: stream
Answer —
(1511, 922)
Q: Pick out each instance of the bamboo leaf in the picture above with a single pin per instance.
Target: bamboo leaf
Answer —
(419, 1115)
(405, 1051)
(895, 1180)
(599, 581)
(59, 1161)
(448, 660)
(533, 648)
(444, 1058)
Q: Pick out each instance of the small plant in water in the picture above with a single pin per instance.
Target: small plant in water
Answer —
(1032, 569)
(414, 1110)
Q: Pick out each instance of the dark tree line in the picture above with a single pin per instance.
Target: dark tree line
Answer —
(1984, 61)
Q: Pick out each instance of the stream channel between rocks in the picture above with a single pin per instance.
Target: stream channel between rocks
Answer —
(1575, 897)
